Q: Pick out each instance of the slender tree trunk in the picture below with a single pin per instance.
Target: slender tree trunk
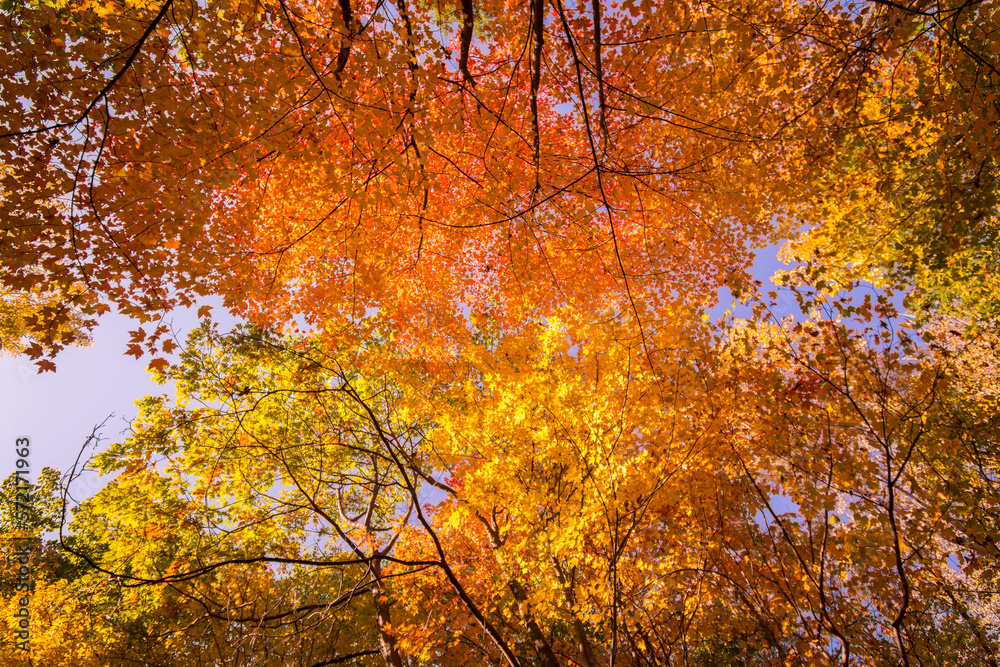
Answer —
(582, 642)
(386, 643)
(538, 641)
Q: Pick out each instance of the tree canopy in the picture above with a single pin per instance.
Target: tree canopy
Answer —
(482, 407)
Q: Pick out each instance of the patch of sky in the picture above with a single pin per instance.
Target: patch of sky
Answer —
(765, 265)
(780, 505)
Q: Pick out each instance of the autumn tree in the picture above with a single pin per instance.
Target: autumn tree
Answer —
(331, 160)
(583, 502)
(278, 543)
(849, 417)
(801, 494)
(909, 199)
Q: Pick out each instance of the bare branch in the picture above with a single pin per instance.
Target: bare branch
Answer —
(345, 44)
(468, 25)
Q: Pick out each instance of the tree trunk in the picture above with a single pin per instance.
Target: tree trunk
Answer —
(386, 643)
(538, 640)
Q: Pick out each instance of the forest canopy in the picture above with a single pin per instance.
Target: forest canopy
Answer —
(481, 406)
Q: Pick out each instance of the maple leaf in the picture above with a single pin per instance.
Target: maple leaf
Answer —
(158, 364)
